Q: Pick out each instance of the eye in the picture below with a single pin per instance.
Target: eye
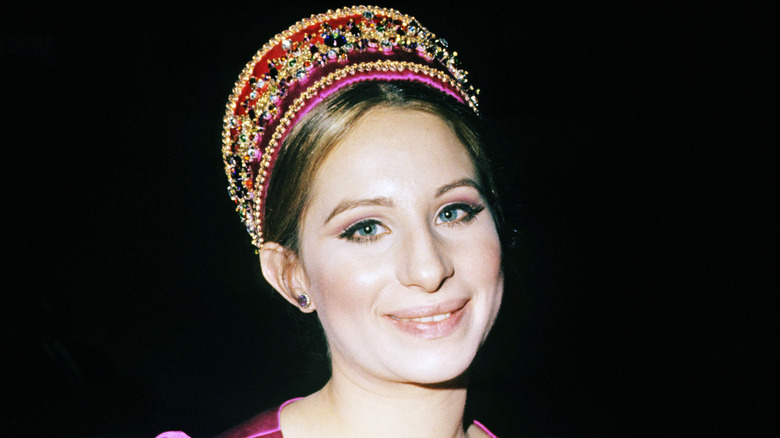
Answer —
(364, 231)
(458, 213)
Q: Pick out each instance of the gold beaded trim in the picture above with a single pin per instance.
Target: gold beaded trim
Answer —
(321, 85)
(252, 107)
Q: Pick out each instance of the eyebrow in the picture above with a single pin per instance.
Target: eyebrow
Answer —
(346, 205)
(387, 202)
(467, 182)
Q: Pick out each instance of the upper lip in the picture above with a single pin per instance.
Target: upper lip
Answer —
(430, 310)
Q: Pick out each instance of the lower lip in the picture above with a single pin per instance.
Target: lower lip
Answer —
(431, 330)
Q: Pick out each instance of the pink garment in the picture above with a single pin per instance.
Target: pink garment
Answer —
(266, 425)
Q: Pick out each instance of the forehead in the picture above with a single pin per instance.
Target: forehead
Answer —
(391, 128)
(392, 149)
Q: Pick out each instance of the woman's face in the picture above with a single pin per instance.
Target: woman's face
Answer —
(399, 251)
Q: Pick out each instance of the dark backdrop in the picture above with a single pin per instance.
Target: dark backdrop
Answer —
(134, 302)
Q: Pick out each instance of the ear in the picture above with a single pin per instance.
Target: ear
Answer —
(283, 270)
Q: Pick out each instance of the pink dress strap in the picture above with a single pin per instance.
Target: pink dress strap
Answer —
(264, 425)
(268, 425)
(484, 429)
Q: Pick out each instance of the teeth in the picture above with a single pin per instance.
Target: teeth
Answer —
(438, 318)
(434, 318)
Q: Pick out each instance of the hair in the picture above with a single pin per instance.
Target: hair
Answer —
(313, 138)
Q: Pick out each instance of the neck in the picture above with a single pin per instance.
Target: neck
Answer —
(349, 407)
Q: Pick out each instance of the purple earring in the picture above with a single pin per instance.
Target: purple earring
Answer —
(304, 301)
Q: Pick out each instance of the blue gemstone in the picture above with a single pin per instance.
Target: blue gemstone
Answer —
(334, 40)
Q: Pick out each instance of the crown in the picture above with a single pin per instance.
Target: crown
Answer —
(305, 64)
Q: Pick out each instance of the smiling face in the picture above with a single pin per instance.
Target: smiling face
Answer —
(399, 251)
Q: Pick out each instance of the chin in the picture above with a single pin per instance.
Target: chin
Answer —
(435, 367)
(440, 361)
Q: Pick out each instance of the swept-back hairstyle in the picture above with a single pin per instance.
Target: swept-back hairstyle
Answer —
(320, 131)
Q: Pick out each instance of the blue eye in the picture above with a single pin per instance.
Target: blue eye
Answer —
(367, 230)
(364, 231)
(455, 213)
(450, 214)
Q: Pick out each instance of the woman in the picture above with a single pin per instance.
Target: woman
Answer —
(353, 152)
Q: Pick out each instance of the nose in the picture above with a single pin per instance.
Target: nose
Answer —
(426, 264)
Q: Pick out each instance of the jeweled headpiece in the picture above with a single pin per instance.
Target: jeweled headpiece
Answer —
(305, 64)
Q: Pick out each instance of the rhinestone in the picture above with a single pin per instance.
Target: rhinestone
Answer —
(334, 40)
(373, 29)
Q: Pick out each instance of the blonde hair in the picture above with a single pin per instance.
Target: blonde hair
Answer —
(320, 131)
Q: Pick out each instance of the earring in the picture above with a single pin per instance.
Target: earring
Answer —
(304, 301)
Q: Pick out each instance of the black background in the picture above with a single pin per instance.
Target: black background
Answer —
(134, 304)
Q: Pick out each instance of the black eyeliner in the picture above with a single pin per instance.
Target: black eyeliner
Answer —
(471, 211)
(349, 233)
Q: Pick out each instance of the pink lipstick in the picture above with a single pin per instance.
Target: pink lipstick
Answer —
(430, 322)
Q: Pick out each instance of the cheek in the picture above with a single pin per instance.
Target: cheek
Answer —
(482, 265)
(342, 285)
(483, 253)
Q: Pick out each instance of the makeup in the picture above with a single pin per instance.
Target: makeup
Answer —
(430, 322)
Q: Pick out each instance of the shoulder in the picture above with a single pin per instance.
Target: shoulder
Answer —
(263, 425)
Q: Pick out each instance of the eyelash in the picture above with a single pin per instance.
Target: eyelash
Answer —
(349, 233)
(471, 212)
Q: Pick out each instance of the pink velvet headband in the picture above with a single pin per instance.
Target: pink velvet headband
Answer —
(308, 62)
